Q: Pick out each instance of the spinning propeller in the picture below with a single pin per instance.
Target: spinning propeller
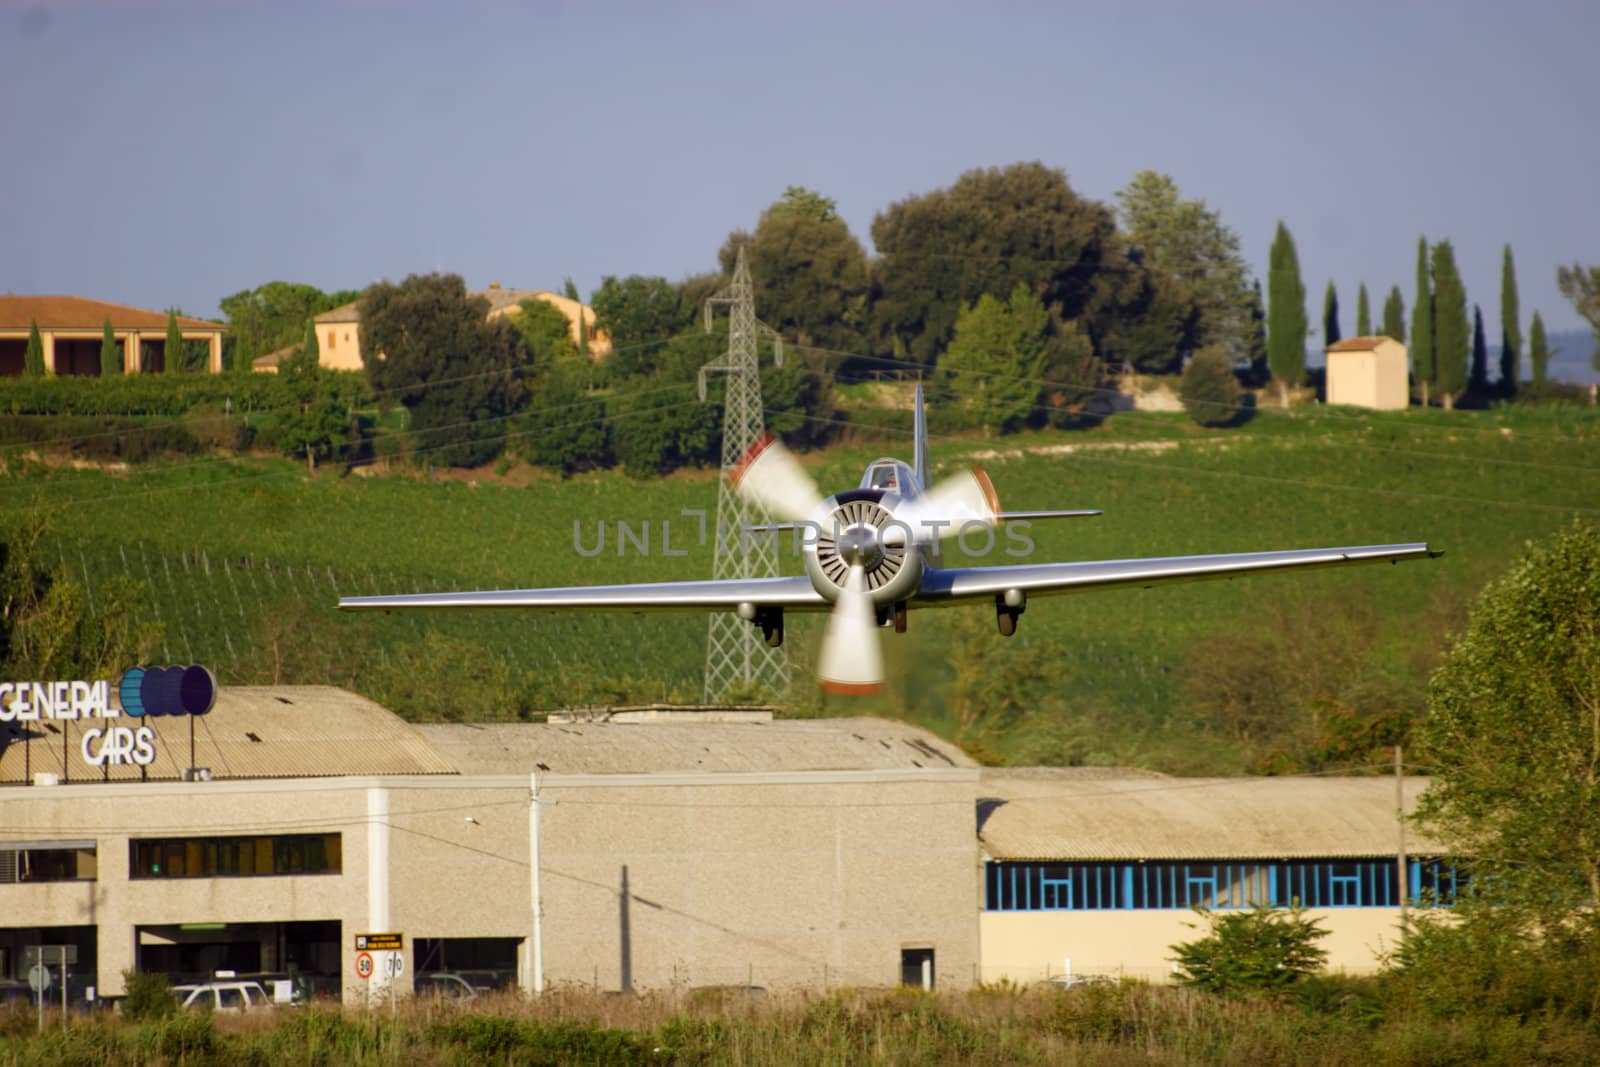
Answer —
(769, 476)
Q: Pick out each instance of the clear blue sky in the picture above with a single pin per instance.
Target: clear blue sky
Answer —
(162, 153)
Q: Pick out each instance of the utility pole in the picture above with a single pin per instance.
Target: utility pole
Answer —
(736, 654)
(1400, 823)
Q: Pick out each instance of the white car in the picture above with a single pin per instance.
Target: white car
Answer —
(223, 996)
(445, 986)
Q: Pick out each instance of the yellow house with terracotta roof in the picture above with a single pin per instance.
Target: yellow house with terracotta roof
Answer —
(72, 327)
(339, 330)
(1369, 372)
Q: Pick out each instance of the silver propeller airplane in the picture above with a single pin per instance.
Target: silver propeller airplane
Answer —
(871, 554)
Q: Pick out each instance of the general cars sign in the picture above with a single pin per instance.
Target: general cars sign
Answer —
(143, 692)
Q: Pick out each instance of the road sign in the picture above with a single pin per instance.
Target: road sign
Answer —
(39, 977)
(380, 942)
(364, 965)
(395, 965)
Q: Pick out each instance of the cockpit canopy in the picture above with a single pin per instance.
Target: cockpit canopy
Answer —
(892, 476)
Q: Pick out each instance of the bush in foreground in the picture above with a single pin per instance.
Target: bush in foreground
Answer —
(1208, 389)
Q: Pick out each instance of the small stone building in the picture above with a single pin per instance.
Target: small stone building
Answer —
(1368, 372)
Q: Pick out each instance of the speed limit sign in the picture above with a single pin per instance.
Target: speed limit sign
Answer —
(364, 965)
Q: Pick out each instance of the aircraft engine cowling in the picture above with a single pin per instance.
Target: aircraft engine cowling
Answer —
(850, 530)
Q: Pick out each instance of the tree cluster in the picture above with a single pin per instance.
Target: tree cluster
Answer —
(272, 317)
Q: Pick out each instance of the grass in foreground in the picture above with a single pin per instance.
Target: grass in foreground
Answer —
(1336, 1023)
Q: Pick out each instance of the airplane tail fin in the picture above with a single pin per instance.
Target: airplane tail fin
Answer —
(920, 430)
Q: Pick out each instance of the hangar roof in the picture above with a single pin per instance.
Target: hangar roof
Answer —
(637, 748)
(1034, 814)
(286, 731)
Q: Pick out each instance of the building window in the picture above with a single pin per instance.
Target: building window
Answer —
(916, 968)
(333, 340)
(48, 861)
(235, 857)
(1367, 883)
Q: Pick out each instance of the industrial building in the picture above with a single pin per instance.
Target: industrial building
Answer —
(1098, 871)
(633, 850)
(741, 851)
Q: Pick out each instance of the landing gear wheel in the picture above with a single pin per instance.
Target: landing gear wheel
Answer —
(771, 622)
(1005, 616)
(900, 616)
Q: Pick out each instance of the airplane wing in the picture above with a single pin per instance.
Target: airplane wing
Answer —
(792, 593)
(1044, 579)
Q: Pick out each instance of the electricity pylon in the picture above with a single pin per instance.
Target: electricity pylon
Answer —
(737, 656)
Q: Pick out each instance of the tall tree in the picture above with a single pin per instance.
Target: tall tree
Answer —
(570, 289)
(990, 231)
(1394, 315)
(314, 422)
(545, 331)
(1452, 337)
(1513, 731)
(1330, 317)
(808, 270)
(1422, 354)
(33, 356)
(1510, 326)
(1363, 312)
(1581, 285)
(1538, 349)
(1193, 260)
(1255, 349)
(432, 347)
(110, 357)
(1480, 354)
(1286, 315)
(639, 313)
(991, 371)
(172, 355)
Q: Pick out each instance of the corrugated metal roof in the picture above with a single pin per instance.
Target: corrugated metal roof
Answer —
(1032, 816)
(638, 748)
(309, 731)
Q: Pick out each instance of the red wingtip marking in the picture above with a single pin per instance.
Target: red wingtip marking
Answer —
(852, 689)
(751, 454)
(990, 497)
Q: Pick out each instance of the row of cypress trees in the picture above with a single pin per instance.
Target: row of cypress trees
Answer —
(1447, 356)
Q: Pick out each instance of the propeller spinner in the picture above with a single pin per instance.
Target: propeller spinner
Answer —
(864, 552)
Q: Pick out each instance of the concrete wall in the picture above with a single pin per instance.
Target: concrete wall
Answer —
(816, 879)
(784, 880)
(1028, 947)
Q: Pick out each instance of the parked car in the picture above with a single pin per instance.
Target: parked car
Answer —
(487, 981)
(1075, 981)
(445, 986)
(223, 996)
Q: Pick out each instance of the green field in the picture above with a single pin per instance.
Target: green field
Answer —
(244, 560)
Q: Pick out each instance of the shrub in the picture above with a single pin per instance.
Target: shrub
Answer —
(150, 996)
(1208, 389)
(1248, 953)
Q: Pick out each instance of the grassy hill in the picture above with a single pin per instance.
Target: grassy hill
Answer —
(244, 561)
